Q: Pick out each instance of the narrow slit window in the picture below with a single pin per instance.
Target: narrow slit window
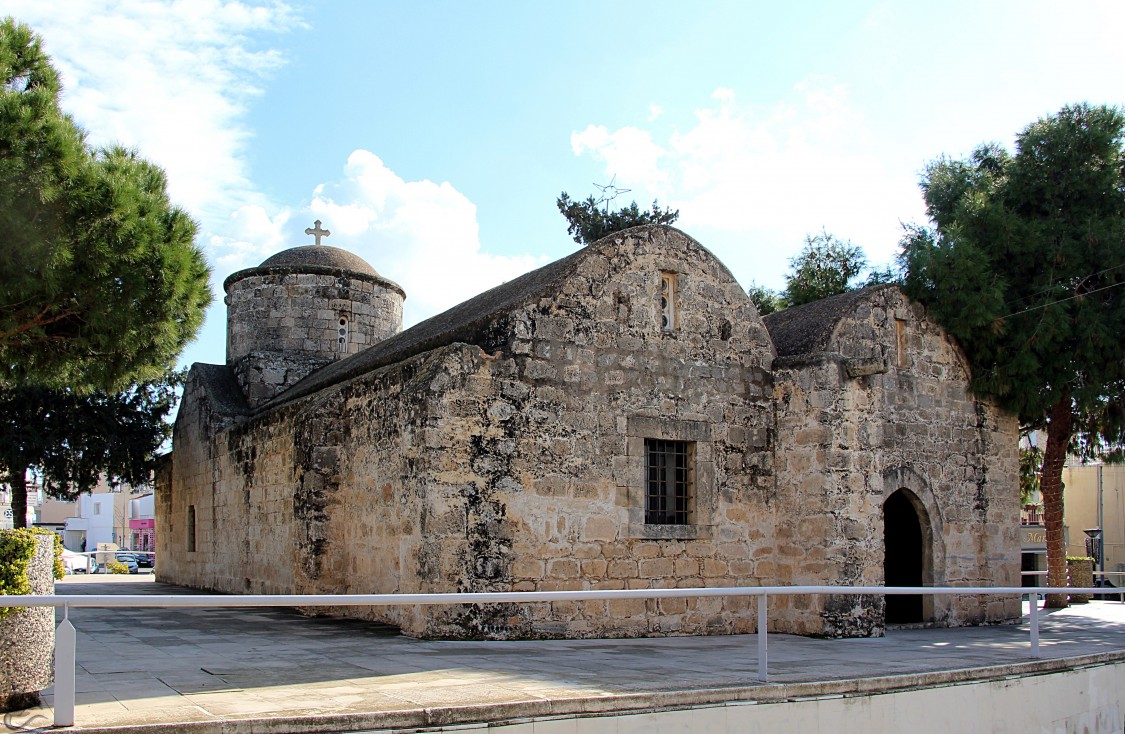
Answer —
(191, 528)
(667, 482)
(342, 338)
(668, 301)
(901, 344)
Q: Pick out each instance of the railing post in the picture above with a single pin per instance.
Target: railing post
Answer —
(763, 660)
(1033, 598)
(64, 670)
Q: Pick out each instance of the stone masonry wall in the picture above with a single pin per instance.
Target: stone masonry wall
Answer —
(887, 407)
(235, 479)
(521, 466)
(534, 477)
(325, 495)
(556, 453)
(523, 469)
(284, 325)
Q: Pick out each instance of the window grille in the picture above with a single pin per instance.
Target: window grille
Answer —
(667, 482)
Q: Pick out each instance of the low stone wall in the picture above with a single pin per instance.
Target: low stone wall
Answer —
(27, 637)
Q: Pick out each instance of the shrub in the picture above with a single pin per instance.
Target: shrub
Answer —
(117, 567)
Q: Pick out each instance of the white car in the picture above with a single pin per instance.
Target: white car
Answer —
(75, 562)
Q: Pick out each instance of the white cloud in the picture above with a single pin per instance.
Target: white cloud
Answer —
(250, 235)
(171, 79)
(752, 182)
(174, 79)
(630, 153)
(421, 234)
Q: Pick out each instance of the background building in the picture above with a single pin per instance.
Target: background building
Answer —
(1095, 498)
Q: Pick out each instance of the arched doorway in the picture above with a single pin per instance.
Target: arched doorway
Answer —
(905, 533)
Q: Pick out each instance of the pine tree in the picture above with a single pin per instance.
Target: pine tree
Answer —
(102, 279)
(1024, 263)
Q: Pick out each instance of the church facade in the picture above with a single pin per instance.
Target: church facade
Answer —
(620, 418)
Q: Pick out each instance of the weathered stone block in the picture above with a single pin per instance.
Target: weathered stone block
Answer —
(599, 529)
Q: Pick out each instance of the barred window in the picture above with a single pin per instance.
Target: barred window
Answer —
(667, 482)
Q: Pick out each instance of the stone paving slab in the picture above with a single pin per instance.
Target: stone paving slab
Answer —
(273, 670)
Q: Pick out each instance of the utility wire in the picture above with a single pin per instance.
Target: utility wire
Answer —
(1064, 300)
(1051, 287)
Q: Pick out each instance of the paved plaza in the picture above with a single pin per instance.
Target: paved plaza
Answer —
(228, 670)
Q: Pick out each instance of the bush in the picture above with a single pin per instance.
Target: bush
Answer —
(117, 567)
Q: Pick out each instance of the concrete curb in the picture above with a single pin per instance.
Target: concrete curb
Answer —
(592, 706)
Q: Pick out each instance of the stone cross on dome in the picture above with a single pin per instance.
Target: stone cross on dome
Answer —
(317, 232)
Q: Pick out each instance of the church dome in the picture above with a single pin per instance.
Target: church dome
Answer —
(318, 256)
(302, 308)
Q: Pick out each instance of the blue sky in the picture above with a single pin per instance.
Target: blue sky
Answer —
(432, 138)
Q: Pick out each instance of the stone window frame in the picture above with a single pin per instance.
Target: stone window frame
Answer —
(669, 313)
(633, 489)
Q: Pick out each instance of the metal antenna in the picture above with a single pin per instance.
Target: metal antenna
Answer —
(610, 192)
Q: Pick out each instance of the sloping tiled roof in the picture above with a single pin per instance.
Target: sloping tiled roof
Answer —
(806, 330)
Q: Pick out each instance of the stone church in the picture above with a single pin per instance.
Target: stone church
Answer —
(620, 418)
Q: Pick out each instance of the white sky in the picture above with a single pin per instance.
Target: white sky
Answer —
(432, 138)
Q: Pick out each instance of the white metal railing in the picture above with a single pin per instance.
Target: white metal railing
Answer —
(1103, 591)
(1096, 573)
(65, 634)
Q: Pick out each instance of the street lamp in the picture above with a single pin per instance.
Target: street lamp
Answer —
(1095, 545)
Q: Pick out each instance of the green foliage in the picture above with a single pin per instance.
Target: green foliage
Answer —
(103, 281)
(588, 223)
(1031, 463)
(117, 567)
(1024, 264)
(17, 547)
(70, 440)
(825, 267)
(767, 301)
(881, 276)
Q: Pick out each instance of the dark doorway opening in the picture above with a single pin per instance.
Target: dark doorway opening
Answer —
(903, 563)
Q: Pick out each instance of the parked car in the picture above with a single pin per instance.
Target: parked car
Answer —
(129, 560)
(145, 559)
(76, 562)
